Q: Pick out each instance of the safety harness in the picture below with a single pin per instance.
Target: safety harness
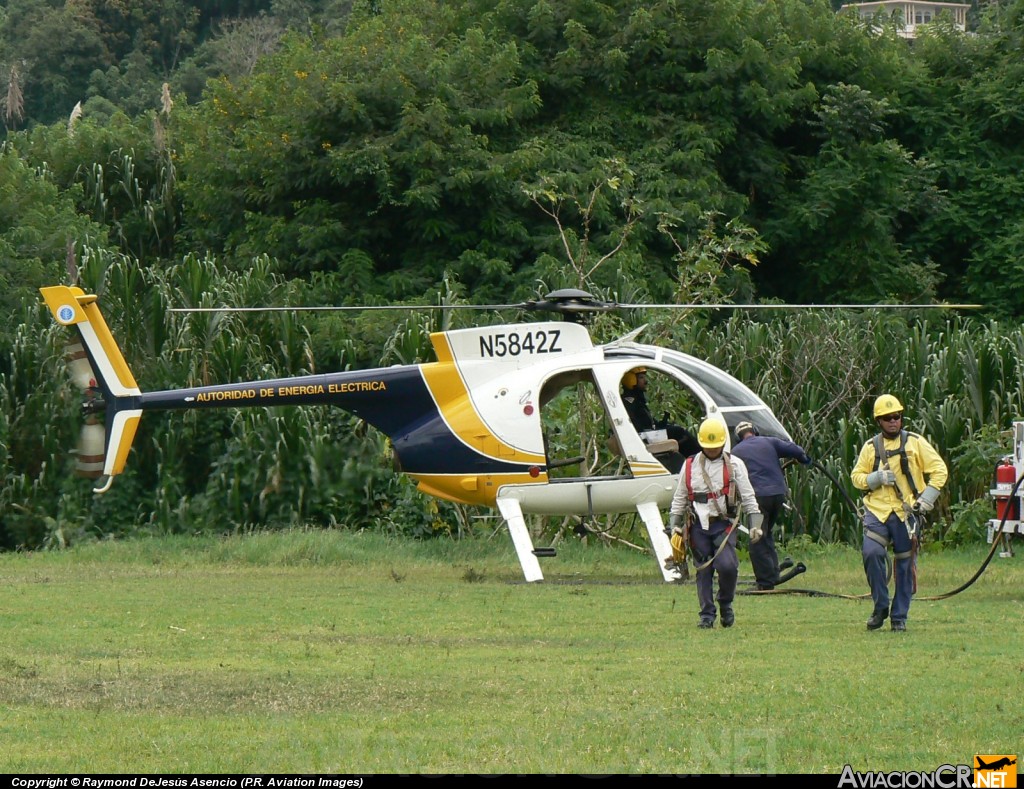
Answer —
(880, 452)
(728, 493)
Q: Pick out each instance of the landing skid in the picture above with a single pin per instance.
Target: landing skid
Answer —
(512, 512)
(651, 516)
(513, 515)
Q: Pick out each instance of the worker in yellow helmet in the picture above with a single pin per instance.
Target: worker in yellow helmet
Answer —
(903, 476)
(634, 398)
(713, 488)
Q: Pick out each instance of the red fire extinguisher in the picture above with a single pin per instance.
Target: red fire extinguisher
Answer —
(1006, 506)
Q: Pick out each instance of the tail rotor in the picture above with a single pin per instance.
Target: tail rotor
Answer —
(79, 367)
(90, 452)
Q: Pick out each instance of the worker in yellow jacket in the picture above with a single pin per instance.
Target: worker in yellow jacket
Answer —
(903, 476)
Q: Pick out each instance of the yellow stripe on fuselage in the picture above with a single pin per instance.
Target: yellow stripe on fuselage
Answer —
(479, 490)
(453, 401)
(641, 468)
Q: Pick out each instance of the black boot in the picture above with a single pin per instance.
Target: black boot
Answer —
(877, 619)
(728, 616)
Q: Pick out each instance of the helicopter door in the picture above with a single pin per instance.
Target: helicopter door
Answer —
(576, 425)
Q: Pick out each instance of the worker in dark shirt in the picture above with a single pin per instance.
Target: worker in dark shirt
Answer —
(762, 455)
(634, 398)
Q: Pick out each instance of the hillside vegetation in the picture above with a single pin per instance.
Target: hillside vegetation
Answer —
(399, 152)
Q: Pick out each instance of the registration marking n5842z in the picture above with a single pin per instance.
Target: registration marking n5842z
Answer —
(514, 343)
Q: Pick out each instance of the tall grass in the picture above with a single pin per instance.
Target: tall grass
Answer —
(959, 378)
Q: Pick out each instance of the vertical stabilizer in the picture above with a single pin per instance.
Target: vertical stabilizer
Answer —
(107, 372)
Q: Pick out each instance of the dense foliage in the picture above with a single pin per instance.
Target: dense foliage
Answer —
(325, 151)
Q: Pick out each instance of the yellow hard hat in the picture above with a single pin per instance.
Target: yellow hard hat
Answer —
(887, 404)
(712, 433)
(629, 379)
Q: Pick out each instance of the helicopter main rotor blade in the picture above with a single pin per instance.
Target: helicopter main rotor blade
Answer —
(410, 307)
(577, 302)
(941, 305)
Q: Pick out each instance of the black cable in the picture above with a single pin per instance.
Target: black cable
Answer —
(996, 538)
(842, 489)
(814, 593)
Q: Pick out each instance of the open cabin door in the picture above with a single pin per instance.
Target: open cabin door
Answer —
(576, 424)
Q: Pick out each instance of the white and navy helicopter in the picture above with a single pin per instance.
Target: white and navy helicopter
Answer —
(468, 427)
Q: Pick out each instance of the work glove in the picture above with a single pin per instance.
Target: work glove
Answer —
(678, 548)
(926, 501)
(676, 524)
(877, 479)
(806, 459)
(755, 527)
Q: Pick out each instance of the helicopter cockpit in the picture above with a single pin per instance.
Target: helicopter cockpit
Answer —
(716, 390)
(587, 433)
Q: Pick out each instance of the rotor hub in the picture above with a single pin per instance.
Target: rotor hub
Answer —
(573, 303)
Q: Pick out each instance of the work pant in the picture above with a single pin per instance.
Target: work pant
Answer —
(726, 564)
(763, 556)
(895, 531)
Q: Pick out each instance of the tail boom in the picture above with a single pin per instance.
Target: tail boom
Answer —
(438, 436)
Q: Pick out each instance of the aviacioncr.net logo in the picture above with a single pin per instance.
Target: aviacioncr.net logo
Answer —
(995, 771)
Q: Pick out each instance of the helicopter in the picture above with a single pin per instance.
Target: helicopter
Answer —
(466, 428)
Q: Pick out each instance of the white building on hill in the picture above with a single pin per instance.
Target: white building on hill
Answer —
(910, 14)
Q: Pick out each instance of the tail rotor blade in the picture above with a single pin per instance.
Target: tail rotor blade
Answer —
(78, 366)
(90, 452)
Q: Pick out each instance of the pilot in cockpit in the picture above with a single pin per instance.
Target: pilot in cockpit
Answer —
(634, 398)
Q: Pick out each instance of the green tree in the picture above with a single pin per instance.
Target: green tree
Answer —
(391, 140)
(839, 226)
(40, 231)
(970, 124)
(120, 173)
(58, 48)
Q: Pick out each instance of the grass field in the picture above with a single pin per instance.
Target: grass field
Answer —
(331, 652)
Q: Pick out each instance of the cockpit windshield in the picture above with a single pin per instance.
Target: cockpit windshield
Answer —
(734, 400)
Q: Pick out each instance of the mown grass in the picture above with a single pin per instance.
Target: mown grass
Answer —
(322, 652)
